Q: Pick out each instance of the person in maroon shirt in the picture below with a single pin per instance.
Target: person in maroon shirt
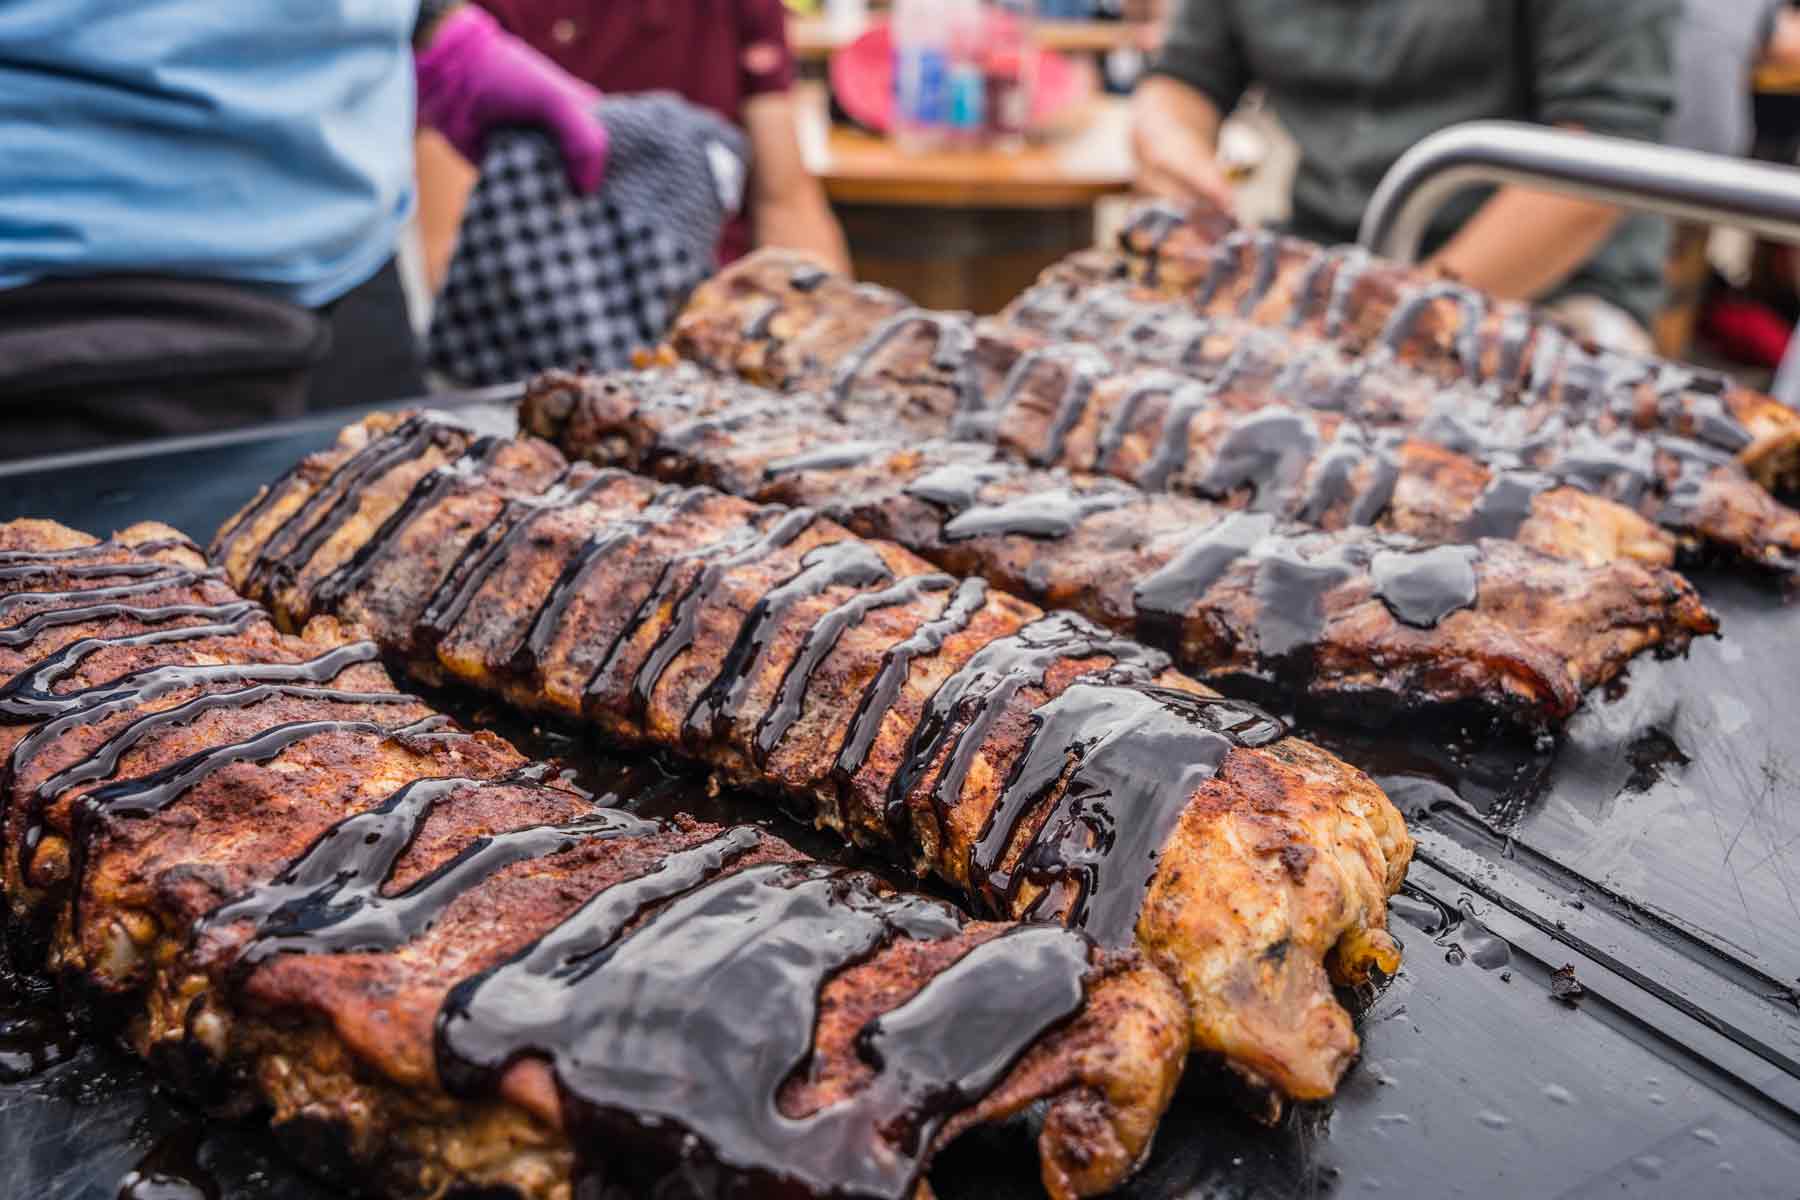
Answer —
(730, 56)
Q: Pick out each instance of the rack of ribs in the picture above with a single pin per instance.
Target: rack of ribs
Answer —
(1355, 622)
(1446, 332)
(1234, 431)
(1044, 767)
(294, 887)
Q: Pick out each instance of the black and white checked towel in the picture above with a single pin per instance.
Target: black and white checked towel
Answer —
(544, 278)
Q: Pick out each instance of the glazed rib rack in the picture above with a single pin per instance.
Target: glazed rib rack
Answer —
(1232, 413)
(1354, 622)
(291, 885)
(1447, 333)
(1044, 766)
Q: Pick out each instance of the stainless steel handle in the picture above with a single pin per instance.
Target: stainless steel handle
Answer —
(1641, 176)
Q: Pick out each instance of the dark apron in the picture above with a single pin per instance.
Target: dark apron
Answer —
(96, 361)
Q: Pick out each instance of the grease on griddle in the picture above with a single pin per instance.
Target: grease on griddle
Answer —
(1651, 754)
(35, 1033)
(172, 1170)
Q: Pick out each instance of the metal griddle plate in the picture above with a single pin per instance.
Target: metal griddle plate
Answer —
(1656, 851)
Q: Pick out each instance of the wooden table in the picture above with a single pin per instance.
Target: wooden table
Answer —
(966, 229)
(813, 38)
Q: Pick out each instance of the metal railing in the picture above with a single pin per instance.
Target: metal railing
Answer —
(1640, 176)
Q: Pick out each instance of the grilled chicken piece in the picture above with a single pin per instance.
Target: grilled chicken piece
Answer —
(1358, 623)
(294, 885)
(1450, 333)
(1045, 767)
(1238, 431)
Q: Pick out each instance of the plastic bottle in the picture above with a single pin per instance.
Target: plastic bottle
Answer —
(1011, 71)
(968, 77)
(921, 74)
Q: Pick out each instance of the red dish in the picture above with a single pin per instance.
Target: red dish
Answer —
(862, 79)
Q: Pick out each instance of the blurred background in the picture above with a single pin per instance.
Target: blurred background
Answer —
(963, 145)
(450, 194)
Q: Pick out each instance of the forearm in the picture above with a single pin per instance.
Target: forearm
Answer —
(787, 201)
(803, 221)
(1162, 103)
(1522, 243)
(1175, 139)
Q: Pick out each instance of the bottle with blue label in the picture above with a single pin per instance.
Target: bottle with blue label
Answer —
(968, 78)
(921, 43)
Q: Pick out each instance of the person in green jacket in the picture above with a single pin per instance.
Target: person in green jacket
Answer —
(1358, 82)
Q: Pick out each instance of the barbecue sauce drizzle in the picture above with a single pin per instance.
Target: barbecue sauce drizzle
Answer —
(952, 353)
(286, 552)
(1065, 860)
(1533, 356)
(488, 549)
(1289, 578)
(29, 697)
(820, 640)
(332, 899)
(677, 938)
(436, 484)
(1069, 855)
(851, 564)
(697, 1083)
(1662, 474)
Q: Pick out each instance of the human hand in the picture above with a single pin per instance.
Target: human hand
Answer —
(1172, 139)
(475, 77)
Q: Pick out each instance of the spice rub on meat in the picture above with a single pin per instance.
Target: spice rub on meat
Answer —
(1355, 622)
(296, 888)
(1442, 331)
(1046, 767)
(1237, 414)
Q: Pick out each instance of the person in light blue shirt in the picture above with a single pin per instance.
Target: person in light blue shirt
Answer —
(200, 202)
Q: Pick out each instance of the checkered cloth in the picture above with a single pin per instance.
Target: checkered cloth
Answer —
(545, 278)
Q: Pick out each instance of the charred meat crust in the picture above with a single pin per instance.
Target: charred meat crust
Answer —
(1445, 332)
(164, 827)
(577, 609)
(1530, 638)
(1222, 408)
